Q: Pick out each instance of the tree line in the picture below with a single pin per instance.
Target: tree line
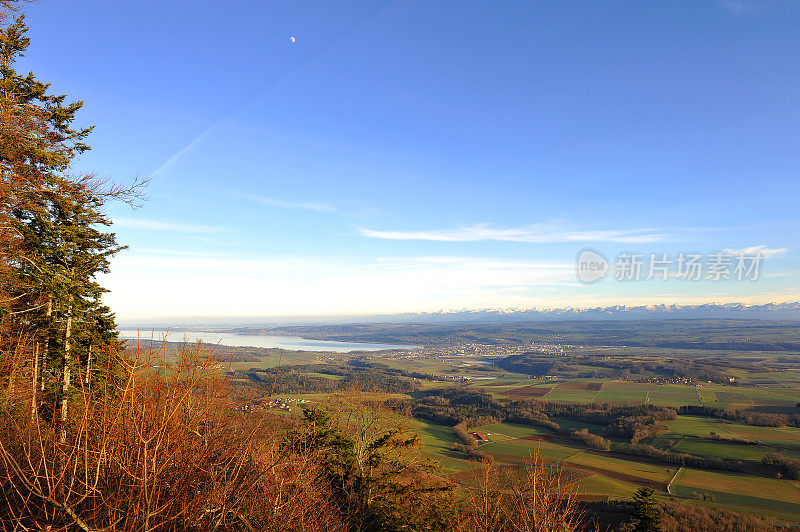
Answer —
(55, 331)
(535, 364)
(298, 379)
(757, 419)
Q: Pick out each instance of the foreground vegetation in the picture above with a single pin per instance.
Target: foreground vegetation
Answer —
(171, 448)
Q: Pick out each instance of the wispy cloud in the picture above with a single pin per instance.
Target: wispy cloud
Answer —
(186, 149)
(353, 211)
(539, 233)
(762, 250)
(304, 205)
(158, 225)
(741, 7)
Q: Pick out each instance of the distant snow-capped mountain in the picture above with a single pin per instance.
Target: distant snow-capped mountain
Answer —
(766, 312)
(769, 311)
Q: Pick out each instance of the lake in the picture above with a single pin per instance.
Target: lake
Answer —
(294, 343)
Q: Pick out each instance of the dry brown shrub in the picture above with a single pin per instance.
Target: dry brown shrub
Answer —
(536, 497)
(159, 447)
(677, 517)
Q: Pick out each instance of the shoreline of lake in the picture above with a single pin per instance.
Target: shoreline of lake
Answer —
(291, 343)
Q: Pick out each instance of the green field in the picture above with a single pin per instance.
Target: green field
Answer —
(758, 382)
(630, 393)
(634, 468)
(511, 451)
(696, 435)
(720, 449)
(504, 431)
(600, 485)
(436, 440)
(510, 443)
(570, 395)
(739, 490)
(623, 392)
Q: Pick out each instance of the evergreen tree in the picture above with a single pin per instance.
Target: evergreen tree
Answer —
(54, 151)
(374, 487)
(53, 242)
(646, 510)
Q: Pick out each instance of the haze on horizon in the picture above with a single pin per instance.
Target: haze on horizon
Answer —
(311, 159)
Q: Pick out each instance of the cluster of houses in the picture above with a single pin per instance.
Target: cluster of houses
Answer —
(285, 404)
(673, 380)
(279, 403)
(661, 380)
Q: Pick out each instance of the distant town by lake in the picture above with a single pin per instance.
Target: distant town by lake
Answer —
(293, 343)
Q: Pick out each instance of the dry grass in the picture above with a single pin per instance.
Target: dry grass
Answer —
(157, 449)
(162, 446)
(538, 497)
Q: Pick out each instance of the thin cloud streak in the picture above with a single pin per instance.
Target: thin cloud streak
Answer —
(314, 206)
(157, 225)
(540, 233)
(186, 149)
(762, 250)
(259, 100)
(743, 7)
(273, 202)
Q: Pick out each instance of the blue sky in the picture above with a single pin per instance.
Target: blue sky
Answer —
(421, 156)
